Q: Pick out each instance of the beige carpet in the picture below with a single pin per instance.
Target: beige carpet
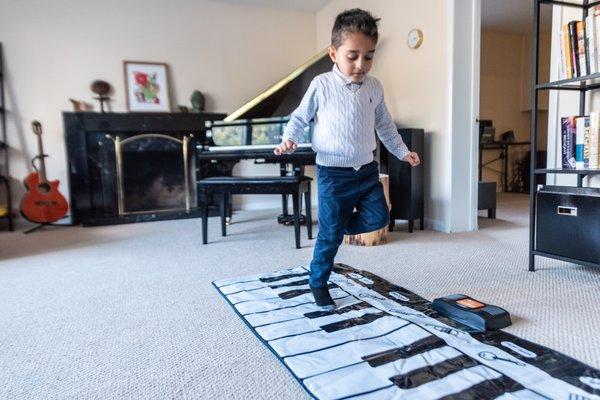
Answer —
(128, 311)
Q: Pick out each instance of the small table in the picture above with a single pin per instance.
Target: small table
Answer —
(504, 153)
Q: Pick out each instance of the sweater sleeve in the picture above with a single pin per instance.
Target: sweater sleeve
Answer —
(302, 115)
(387, 131)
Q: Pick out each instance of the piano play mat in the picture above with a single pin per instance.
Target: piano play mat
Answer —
(385, 342)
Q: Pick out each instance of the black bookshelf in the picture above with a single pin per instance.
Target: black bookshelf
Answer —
(582, 84)
(4, 174)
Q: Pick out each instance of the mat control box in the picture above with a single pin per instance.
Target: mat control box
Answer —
(472, 313)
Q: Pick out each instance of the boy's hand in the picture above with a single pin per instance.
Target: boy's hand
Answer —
(286, 147)
(412, 158)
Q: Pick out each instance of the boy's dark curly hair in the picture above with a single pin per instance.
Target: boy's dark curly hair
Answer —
(352, 21)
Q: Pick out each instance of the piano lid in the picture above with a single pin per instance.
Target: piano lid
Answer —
(283, 97)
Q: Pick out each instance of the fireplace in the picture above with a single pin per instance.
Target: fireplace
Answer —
(132, 167)
(152, 173)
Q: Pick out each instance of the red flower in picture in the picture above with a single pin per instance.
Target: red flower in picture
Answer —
(146, 88)
(141, 78)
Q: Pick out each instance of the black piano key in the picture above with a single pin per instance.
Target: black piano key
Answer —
(282, 277)
(348, 341)
(292, 306)
(290, 294)
(354, 307)
(431, 373)
(295, 283)
(349, 323)
(391, 355)
(489, 388)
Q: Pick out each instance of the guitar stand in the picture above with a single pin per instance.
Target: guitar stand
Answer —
(40, 226)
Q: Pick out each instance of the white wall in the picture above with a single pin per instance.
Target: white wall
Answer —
(55, 49)
(417, 85)
(464, 29)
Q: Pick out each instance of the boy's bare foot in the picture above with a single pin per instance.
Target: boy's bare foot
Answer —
(323, 298)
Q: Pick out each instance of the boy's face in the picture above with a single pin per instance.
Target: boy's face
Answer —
(354, 57)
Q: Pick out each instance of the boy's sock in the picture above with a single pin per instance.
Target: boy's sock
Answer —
(323, 298)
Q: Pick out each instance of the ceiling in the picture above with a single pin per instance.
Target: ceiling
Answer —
(513, 16)
(310, 6)
(509, 16)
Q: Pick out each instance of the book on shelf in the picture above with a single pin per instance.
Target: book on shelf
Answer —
(568, 133)
(573, 48)
(590, 41)
(579, 46)
(592, 143)
(580, 142)
(566, 52)
(596, 14)
(580, 123)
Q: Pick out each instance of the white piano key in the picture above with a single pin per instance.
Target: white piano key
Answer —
(262, 293)
(321, 340)
(316, 363)
(454, 383)
(524, 394)
(230, 281)
(294, 312)
(257, 284)
(253, 147)
(273, 304)
(304, 325)
(361, 378)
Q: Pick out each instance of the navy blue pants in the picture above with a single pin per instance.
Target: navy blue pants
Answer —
(341, 191)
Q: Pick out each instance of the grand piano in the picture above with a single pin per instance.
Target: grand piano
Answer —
(256, 128)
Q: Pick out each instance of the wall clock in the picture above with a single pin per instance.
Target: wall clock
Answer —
(415, 38)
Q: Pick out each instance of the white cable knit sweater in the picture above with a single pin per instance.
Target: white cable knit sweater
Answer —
(345, 117)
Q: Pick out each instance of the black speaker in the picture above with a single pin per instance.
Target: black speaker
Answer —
(406, 182)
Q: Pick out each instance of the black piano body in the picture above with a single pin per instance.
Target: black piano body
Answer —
(255, 129)
(227, 143)
(230, 142)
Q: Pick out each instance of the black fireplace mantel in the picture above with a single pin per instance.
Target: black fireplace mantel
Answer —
(91, 165)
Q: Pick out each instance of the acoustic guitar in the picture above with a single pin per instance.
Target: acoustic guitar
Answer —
(42, 203)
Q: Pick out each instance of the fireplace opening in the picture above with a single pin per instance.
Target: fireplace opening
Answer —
(153, 174)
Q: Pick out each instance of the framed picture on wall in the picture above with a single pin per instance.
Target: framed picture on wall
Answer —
(146, 86)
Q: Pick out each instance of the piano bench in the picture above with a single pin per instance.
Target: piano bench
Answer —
(226, 186)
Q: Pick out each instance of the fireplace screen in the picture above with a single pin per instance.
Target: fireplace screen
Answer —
(152, 173)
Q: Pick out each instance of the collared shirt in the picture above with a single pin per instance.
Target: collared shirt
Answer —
(345, 115)
(352, 86)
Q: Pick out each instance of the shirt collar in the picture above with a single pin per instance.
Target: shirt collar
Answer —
(343, 78)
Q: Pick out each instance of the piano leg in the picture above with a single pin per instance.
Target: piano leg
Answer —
(285, 218)
(284, 209)
(223, 212)
(205, 221)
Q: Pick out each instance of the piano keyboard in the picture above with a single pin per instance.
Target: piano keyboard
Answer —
(254, 147)
(384, 342)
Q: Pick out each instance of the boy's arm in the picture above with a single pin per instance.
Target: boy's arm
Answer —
(302, 115)
(388, 133)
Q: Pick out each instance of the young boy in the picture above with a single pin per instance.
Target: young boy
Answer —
(347, 106)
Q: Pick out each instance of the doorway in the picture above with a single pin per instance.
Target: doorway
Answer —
(505, 97)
